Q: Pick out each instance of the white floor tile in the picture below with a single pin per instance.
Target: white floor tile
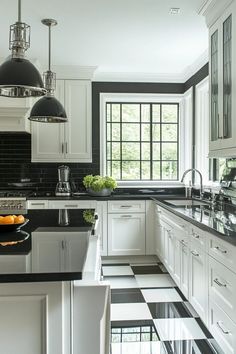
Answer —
(154, 280)
(161, 295)
(122, 283)
(191, 309)
(178, 329)
(136, 348)
(117, 270)
(137, 311)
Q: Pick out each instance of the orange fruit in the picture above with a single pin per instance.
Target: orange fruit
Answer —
(1, 218)
(8, 220)
(19, 219)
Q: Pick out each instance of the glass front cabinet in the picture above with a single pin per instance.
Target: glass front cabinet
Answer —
(223, 85)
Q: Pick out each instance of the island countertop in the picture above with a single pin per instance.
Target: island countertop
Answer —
(52, 246)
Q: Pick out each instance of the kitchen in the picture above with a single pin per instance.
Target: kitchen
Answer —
(144, 261)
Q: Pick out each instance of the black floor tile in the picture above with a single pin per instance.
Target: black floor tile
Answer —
(180, 293)
(169, 310)
(203, 328)
(132, 323)
(201, 346)
(126, 296)
(155, 269)
(115, 264)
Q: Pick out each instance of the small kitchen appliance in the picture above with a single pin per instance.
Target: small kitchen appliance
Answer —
(63, 188)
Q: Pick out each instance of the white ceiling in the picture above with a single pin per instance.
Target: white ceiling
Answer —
(122, 36)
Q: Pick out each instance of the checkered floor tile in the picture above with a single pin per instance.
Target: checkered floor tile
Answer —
(149, 314)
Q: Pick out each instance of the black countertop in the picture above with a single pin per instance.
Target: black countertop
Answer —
(220, 221)
(40, 242)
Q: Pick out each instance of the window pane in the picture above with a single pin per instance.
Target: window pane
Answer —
(145, 112)
(156, 170)
(115, 132)
(169, 113)
(169, 170)
(108, 112)
(108, 151)
(130, 132)
(130, 113)
(145, 151)
(116, 169)
(130, 170)
(145, 132)
(169, 151)
(156, 113)
(156, 136)
(130, 151)
(156, 152)
(131, 337)
(108, 168)
(115, 151)
(169, 132)
(108, 131)
(115, 108)
(145, 170)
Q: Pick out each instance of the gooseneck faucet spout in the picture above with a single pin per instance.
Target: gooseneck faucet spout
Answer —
(200, 175)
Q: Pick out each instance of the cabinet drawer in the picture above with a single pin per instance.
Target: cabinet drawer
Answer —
(223, 329)
(71, 204)
(222, 287)
(134, 206)
(198, 237)
(223, 252)
(37, 204)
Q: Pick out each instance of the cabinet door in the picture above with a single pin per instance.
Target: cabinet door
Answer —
(101, 210)
(177, 262)
(74, 245)
(126, 234)
(48, 139)
(78, 130)
(184, 276)
(198, 282)
(48, 251)
(171, 251)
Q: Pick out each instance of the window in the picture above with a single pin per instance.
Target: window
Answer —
(142, 141)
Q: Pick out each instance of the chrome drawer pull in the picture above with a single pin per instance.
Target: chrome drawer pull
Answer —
(126, 216)
(126, 206)
(219, 283)
(37, 203)
(183, 243)
(196, 236)
(217, 248)
(222, 329)
(71, 206)
(195, 254)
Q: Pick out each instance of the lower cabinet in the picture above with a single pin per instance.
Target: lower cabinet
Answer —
(126, 234)
(56, 251)
(184, 268)
(198, 287)
(35, 318)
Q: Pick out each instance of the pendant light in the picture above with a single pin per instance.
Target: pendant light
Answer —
(18, 76)
(48, 109)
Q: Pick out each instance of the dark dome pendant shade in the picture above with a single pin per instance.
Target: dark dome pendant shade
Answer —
(48, 109)
(18, 76)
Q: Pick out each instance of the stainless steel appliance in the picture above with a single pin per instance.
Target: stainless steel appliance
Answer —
(63, 187)
(11, 203)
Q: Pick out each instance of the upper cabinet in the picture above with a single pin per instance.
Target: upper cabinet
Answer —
(66, 142)
(222, 85)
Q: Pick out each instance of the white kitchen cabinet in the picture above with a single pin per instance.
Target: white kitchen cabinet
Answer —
(71, 204)
(184, 268)
(71, 141)
(222, 85)
(37, 204)
(198, 280)
(126, 234)
(101, 210)
(123, 206)
(58, 250)
(177, 262)
(35, 318)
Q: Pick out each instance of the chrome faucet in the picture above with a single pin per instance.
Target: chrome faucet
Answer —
(200, 175)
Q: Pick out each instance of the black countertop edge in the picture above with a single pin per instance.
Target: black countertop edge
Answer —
(201, 226)
(113, 197)
(40, 277)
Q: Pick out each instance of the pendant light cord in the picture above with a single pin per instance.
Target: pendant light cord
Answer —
(19, 10)
(49, 47)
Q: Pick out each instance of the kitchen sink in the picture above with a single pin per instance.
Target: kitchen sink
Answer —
(180, 202)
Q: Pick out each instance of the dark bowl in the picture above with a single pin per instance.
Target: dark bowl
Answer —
(12, 227)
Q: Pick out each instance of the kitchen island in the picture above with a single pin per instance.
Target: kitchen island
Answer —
(51, 296)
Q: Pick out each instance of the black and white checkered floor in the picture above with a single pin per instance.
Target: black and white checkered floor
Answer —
(150, 315)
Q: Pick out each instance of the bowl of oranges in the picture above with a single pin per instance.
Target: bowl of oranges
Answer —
(9, 223)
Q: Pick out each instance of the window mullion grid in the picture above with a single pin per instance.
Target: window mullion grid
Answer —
(151, 142)
(178, 136)
(160, 142)
(140, 138)
(121, 120)
(111, 119)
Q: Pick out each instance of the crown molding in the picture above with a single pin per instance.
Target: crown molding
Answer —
(213, 9)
